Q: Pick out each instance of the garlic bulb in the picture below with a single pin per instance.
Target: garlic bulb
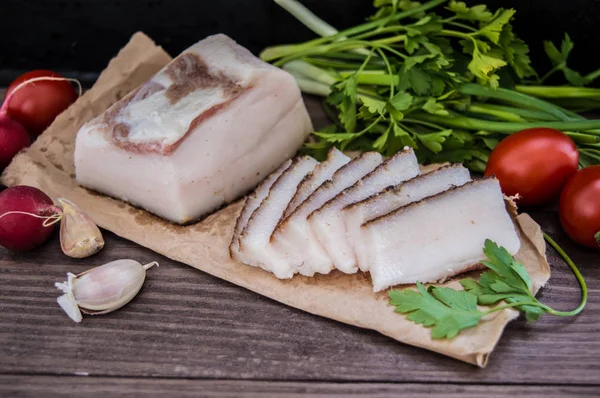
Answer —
(102, 289)
(79, 235)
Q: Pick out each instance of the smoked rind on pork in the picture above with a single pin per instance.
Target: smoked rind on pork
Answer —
(203, 131)
(255, 246)
(251, 203)
(323, 172)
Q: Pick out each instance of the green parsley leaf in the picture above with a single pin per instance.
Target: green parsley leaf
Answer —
(483, 65)
(493, 29)
(381, 141)
(434, 141)
(516, 52)
(336, 137)
(404, 137)
(435, 108)
(344, 98)
(449, 311)
(476, 13)
(373, 105)
(559, 60)
(401, 101)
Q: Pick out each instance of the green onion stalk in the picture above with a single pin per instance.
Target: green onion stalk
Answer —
(451, 84)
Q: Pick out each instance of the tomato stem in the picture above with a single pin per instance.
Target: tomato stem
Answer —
(4, 107)
(580, 280)
(597, 236)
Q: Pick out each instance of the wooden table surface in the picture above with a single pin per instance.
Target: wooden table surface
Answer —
(190, 334)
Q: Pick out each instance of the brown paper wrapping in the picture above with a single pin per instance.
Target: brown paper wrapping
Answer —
(48, 165)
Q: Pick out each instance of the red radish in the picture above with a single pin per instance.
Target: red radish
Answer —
(27, 217)
(42, 95)
(13, 138)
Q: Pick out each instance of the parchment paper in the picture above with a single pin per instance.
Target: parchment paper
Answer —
(48, 165)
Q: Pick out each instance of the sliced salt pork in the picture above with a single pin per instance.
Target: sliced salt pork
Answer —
(203, 131)
(250, 205)
(323, 172)
(328, 222)
(440, 236)
(254, 242)
(295, 237)
(395, 197)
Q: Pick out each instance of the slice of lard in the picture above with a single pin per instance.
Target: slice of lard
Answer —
(254, 243)
(250, 205)
(328, 222)
(394, 197)
(203, 131)
(323, 172)
(294, 236)
(439, 236)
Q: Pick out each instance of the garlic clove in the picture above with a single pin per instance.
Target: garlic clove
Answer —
(80, 237)
(102, 289)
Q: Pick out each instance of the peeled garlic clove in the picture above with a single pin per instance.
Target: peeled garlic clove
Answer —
(79, 236)
(102, 289)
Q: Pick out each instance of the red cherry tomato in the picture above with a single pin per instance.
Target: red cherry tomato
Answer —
(37, 104)
(534, 163)
(580, 207)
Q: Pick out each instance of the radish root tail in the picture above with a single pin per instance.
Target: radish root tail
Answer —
(39, 79)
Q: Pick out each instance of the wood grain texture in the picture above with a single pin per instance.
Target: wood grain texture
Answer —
(87, 387)
(187, 324)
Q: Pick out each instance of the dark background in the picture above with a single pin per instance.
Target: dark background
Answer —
(78, 37)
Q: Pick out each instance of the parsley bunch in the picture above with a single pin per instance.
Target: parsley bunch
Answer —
(446, 79)
(448, 311)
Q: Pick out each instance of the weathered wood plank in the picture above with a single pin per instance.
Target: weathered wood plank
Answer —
(36, 386)
(188, 324)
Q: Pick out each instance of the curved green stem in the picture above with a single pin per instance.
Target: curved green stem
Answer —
(460, 25)
(597, 237)
(548, 74)
(500, 114)
(580, 280)
(514, 97)
(273, 53)
(515, 304)
(454, 33)
(423, 123)
(522, 112)
(559, 91)
(458, 121)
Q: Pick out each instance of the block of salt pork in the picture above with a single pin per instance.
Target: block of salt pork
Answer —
(203, 131)
(394, 197)
(327, 221)
(438, 237)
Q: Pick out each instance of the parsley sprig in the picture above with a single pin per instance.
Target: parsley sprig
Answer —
(446, 79)
(448, 311)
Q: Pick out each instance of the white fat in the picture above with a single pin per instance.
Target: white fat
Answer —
(323, 172)
(255, 247)
(155, 119)
(328, 222)
(295, 237)
(438, 237)
(395, 197)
